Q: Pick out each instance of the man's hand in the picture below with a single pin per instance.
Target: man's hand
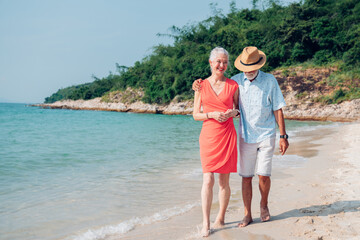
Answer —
(196, 85)
(283, 145)
(218, 116)
(230, 113)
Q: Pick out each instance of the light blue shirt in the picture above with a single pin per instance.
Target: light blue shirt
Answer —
(257, 101)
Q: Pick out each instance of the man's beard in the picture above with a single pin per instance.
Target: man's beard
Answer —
(251, 76)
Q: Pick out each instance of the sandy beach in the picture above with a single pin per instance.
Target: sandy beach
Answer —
(318, 200)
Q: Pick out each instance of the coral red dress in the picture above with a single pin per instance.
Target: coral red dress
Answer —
(218, 149)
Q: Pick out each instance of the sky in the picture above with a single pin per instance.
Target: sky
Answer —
(46, 45)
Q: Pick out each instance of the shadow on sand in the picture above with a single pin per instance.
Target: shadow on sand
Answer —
(321, 210)
(316, 210)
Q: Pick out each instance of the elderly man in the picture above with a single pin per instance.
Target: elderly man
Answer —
(260, 103)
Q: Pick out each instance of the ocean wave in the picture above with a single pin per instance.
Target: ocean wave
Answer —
(294, 130)
(288, 161)
(192, 174)
(126, 226)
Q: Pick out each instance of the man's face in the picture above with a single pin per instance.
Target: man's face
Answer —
(251, 75)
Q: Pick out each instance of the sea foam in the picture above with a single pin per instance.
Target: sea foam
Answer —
(288, 161)
(294, 130)
(192, 174)
(128, 225)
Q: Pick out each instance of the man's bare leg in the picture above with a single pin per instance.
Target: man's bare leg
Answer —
(224, 197)
(264, 186)
(206, 200)
(247, 197)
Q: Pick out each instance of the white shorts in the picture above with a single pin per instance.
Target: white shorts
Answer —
(252, 153)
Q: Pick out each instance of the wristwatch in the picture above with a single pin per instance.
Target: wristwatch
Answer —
(284, 136)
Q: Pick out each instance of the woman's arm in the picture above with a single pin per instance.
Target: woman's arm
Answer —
(197, 114)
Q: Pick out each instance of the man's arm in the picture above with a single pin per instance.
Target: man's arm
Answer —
(283, 144)
(236, 99)
(234, 112)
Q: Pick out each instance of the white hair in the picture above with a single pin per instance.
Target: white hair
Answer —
(216, 51)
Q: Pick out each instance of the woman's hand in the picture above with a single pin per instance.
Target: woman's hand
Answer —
(218, 116)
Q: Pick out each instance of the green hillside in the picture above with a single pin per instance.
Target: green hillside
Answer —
(313, 32)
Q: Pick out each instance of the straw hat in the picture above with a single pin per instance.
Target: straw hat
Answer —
(250, 59)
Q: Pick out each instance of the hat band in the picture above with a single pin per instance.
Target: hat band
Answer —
(250, 64)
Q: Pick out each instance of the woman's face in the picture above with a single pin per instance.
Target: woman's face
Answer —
(219, 64)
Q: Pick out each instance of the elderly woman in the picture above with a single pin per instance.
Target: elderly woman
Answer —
(218, 98)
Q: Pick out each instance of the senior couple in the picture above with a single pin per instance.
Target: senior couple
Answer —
(256, 98)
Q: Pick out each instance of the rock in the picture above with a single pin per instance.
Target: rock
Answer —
(141, 107)
(179, 108)
(344, 112)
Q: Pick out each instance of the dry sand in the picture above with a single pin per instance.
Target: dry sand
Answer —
(320, 200)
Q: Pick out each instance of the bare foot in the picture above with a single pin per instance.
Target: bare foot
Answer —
(219, 224)
(246, 221)
(205, 232)
(264, 214)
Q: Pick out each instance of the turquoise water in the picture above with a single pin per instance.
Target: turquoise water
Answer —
(71, 174)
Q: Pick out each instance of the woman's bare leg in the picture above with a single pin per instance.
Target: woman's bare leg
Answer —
(224, 197)
(206, 201)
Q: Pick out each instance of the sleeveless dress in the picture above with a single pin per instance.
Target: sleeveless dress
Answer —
(218, 149)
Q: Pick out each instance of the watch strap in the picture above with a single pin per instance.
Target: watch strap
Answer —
(284, 136)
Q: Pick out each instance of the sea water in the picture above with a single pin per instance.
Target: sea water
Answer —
(68, 174)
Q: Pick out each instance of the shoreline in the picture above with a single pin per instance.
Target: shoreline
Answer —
(316, 201)
(348, 111)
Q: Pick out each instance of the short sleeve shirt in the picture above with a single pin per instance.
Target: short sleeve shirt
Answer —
(257, 101)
